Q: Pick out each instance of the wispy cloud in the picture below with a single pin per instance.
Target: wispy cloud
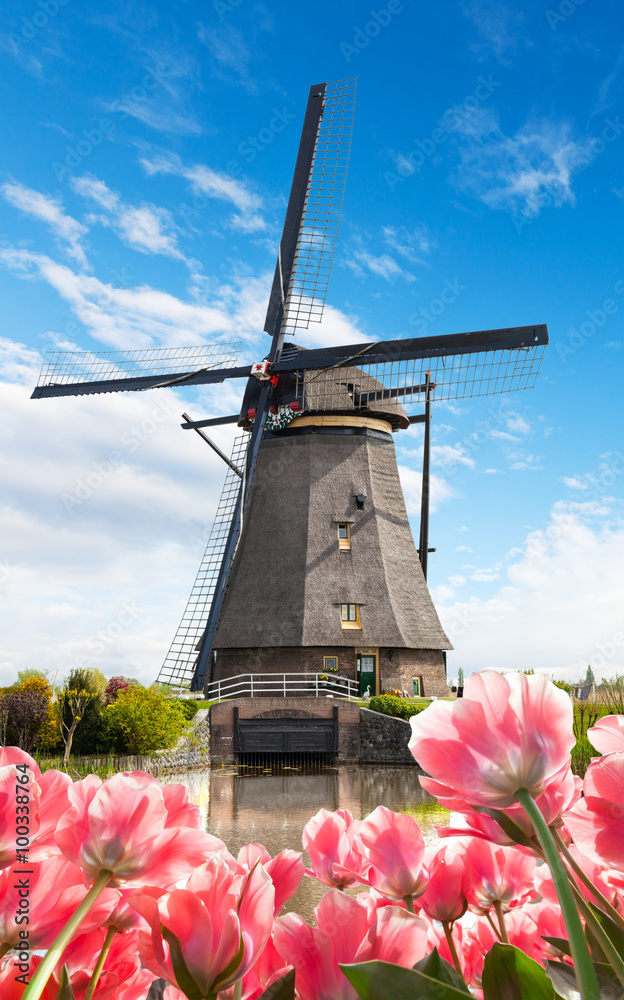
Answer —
(50, 211)
(230, 53)
(500, 28)
(212, 184)
(415, 245)
(145, 228)
(525, 171)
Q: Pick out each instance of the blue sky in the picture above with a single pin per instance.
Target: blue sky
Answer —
(147, 152)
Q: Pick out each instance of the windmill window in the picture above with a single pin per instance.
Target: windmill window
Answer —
(350, 616)
(344, 536)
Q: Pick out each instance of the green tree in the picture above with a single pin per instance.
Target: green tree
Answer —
(460, 677)
(29, 673)
(148, 720)
(589, 676)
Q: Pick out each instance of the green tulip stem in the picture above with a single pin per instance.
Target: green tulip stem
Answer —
(493, 925)
(603, 939)
(45, 969)
(238, 990)
(99, 965)
(409, 903)
(602, 900)
(448, 931)
(498, 907)
(583, 966)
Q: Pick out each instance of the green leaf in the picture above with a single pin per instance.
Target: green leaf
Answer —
(437, 968)
(560, 943)
(383, 981)
(563, 979)
(610, 928)
(282, 989)
(181, 970)
(509, 974)
(65, 991)
(508, 826)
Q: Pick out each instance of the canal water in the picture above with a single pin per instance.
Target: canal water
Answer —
(271, 806)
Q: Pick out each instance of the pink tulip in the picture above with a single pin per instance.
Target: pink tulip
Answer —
(467, 948)
(344, 935)
(269, 967)
(286, 870)
(331, 840)
(553, 802)
(596, 821)
(54, 786)
(498, 875)
(548, 919)
(444, 898)
(505, 734)
(608, 734)
(122, 977)
(123, 826)
(54, 889)
(373, 901)
(394, 846)
(17, 794)
(221, 920)
(597, 873)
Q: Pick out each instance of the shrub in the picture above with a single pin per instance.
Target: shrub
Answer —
(190, 708)
(113, 688)
(398, 707)
(27, 712)
(48, 737)
(147, 719)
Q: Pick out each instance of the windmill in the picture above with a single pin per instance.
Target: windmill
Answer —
(310, 564)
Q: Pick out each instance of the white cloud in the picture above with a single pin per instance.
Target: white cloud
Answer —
(485, 575)
(67, 570)
(209, 183)
(560, 606)
(49, 210)
(503, 436)
(524, 172)
(145, 228)
(411, 482)
(383, 265)
(414, 245)
(463, 548)
(448, 455)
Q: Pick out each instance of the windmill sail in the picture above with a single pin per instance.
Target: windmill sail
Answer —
(179, 664)
(78, 373)
(318, 232)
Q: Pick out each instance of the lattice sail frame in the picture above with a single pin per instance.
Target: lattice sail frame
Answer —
(68, 367)
(456, 376)
(179, 665)
(309, 280)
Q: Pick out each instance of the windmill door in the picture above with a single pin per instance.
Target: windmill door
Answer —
(366, 662)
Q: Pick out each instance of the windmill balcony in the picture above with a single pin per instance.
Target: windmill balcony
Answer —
(285, 685)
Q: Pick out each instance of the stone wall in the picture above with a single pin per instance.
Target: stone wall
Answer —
(222, 722)
(383, 739)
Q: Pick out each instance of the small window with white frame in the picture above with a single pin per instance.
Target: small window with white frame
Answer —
(344, 535)
(330, 664)
(350, 615)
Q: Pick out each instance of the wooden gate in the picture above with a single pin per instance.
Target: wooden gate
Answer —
(286, 736)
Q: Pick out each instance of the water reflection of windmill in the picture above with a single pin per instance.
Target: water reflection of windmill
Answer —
(311, 565)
